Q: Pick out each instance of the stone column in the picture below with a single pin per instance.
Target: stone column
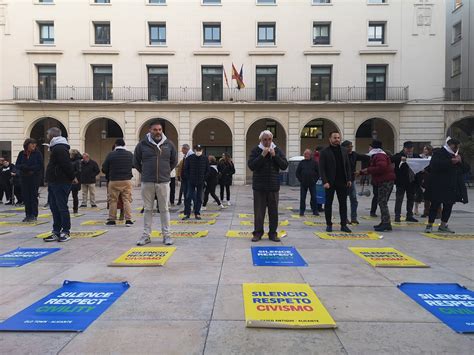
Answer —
(238, 148)
(74, 131)
(348, 130)
(294, 135)
(184, 133)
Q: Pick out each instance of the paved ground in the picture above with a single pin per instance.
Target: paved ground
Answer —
(194, 305)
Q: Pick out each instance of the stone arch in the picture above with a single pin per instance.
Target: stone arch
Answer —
(315, 132)
(215, 135)
(379, 128)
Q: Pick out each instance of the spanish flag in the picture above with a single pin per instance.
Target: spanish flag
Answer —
(238, 77)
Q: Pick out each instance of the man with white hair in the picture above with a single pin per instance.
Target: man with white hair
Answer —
(266, 160)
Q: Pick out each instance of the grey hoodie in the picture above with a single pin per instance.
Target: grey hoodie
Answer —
(155, 160)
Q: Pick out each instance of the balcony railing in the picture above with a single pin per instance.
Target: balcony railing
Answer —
(184, 94)
(456, 94)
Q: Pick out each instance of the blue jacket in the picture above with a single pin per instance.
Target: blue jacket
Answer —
(31, 165)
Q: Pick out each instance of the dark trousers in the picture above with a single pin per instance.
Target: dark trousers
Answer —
(7, 188)
(445, 214)
(352, 192)
(210, 190)
(227, 192)
(375, 199)
(58, 195)
(400, 194)
(172, 190)
(384, 191)
(182, 190)
(1, 193)
(17, 192)
(193, 193)
(29, 190)
(303, 193)
(263, 200)
(340, 189)
(75, 198)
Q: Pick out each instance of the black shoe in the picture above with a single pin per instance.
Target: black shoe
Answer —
(179, 203)
(329, 229)
(27, 220)
(398, 220)
(378, 225)
(129, 223)
(373, 215)
(83, 206)
(51, 238)
(321, 209)
(275, 239)
(411, 219)
(185, 218)
(424, 216)
(198, 217)
(355, 221)
(345, 229)
(316, 213)
(110, 223)
(46, 205)
(93, 206)
(383, 227)
(142, 210)
(64, 237)
(75, 211)
(256, 238)
(301, 214)
(9, 203)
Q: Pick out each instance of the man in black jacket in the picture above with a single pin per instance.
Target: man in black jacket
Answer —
(266, 160)
(6, 180)
(59, 174)
(405, 181)
(447, 170)
(89, 171)
(118, 168)
(307, 174)
(336, 175)
(354, 157)
(196, 168)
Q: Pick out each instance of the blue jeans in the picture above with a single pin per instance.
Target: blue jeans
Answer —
(352, 192)
(58, 195)
(303, 193)
(193, 193)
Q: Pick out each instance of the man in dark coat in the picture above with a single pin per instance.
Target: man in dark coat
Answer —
(6, 181)
(266, 160)
(405, 181)
(447, 169)
(307, 174)
(354, 157)
(59, 174)
(196, 168)
(89, 171)
(336, 175)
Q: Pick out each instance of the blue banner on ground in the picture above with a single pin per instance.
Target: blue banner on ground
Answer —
(277, 256)
(451, 303)
(22, 256)
(72, 308)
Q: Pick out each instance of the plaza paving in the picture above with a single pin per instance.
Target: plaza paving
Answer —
(194, 305)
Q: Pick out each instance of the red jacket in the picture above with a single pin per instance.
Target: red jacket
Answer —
(316, 156)
(381, 169)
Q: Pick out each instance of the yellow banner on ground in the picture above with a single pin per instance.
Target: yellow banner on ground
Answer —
(50, 215)
(4, 232)
(18, 208)
(144, 256)
(7, 215)
(22, 224)
(318, 224)
(289, 208)
(193, 222)
(309, 216)
(246, 215)
(450, 236)
(284, 305)
(248, 234)
(412, 224)
(78, 234)
(348, 236)
(100, 223)
(204, 215)
(181, 234)
(250, 223)
(386, 257)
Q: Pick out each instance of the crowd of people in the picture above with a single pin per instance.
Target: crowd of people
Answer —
(438, 182)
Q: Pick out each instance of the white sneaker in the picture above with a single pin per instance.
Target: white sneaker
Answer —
(144, 240)
(167, 240)
(221, 206)
(203, 208)
(228, 203)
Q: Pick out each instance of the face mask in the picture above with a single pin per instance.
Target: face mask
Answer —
(198, 154)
